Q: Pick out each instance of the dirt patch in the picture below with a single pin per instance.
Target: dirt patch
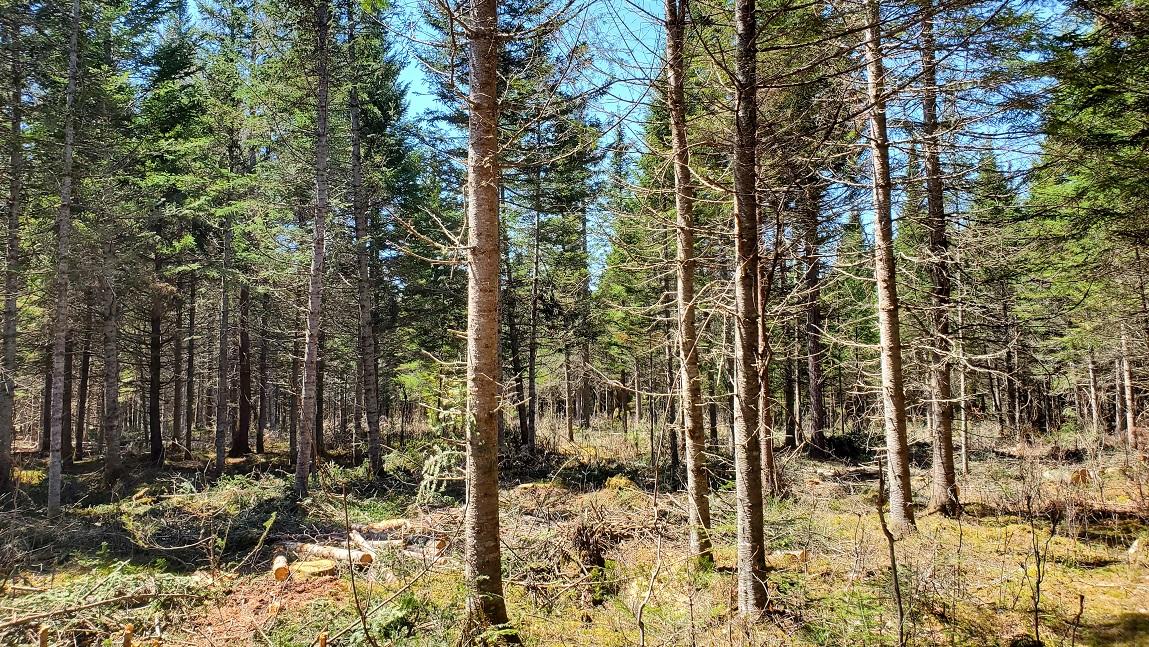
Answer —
(243, 614)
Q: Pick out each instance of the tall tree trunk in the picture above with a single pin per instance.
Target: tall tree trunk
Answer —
(264, 378)
(1094, 400)
(483, 566)
(1130, 402)
(190, 384)
(747, 461)
(307, 424)
(893, 391)
(770, 484)
(368, 368)
(178, 383)
(293, 418)
(63, 266)
(221, 383)
(689, 382)
(82, 399)
(319, 444)
(241, 433)
(155, 363)
(113, 468)
(533, 332)
(13, 259)
(68, 451)
(944, 486)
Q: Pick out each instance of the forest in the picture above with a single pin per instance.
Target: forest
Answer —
(574, 322)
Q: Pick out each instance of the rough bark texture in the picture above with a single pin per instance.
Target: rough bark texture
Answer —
(1130, 402)
(264, 380)
(241, 433)
(368, 370)
(177, 370)
(690, 383)
(12, 257)
(82, 397)
(321, 25)
(189, 384)
(893, 391)
(155, 364)
(944, 497)
(747, 461)
(771, 487)
(111, 331)
(63, 266)
(221, 382)
(483, 571)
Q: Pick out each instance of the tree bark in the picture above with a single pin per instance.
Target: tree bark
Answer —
(113, 468)
(368, 368)
(178, 383)
(483, 567)
(155, 363)
(321, 25)
(63, 266)
(241, 433)
(944, 483)
(189, 384)
(264, 378)
(893, 391)
(689, 381)
(1130, 402)
(13, 259)
(82, 397)
(747, 461)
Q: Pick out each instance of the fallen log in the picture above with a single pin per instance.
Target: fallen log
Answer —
(279, 568)
(342, 555)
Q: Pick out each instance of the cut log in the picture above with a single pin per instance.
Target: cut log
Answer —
(341, 555)
(386, 544)
(314, 568)
(391, 528)
(362, 543)
(279, 568)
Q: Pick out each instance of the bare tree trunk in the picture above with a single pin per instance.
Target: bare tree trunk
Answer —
(155, 363)
(264, 378)
(111, 358)
(241, 433)
(82, 399)
(221, 383)
(189, 384)
(177, 368)
(770, 484)
(483, 565)
(12, 259)
(368, 368)
(63, 266)
(944, 485)
(1130, 402)
(307, 423)
(893, 392)
(747, 461)
(690, 384)
(1094, 403)
(67, 450)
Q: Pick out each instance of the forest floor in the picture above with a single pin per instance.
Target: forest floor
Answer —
(595, 553)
